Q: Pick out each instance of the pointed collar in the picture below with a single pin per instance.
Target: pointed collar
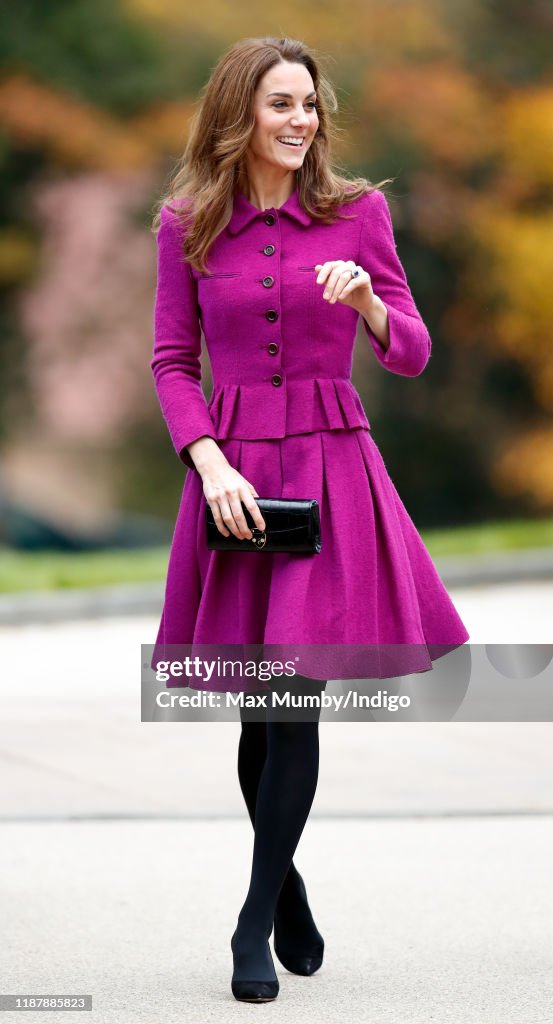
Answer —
(244, 212)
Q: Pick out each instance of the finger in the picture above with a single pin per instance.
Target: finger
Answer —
(325, 269)
(218, 519)
(348, 289)
(344, 280)
(239, 517)
(336, 282)
(329, 284)
(255, 512)
(228, 517)
(343, 283)
(260, 522)
(355, 283)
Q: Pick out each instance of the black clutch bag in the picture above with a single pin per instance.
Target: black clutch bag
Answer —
(291, 524)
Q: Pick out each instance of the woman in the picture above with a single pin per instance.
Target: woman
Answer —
(276, 256)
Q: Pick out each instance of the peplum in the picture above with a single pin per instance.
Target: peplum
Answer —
(298, 407)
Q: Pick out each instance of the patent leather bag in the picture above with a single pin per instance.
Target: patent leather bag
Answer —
(291, 524)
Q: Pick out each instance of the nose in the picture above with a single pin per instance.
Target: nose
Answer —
(301, 119)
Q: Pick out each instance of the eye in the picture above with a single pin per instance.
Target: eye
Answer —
(282, 103)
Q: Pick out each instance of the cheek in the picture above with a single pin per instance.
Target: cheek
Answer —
(266, 124)
(260, 138)
(273, 126)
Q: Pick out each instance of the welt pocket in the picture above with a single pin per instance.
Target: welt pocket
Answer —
(306, 269)
(210, 277)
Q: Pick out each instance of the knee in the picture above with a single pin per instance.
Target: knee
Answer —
(290, 733)
(253, 734)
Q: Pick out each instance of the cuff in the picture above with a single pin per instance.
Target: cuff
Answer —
(410, 345)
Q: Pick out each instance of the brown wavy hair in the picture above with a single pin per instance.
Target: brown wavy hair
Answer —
(213, 164)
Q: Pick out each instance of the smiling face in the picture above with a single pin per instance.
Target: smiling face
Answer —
(284, 108)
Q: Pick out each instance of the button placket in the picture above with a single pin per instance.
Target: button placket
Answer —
(272, 315)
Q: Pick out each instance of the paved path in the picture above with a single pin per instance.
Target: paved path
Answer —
(435, 920)
(125, 846)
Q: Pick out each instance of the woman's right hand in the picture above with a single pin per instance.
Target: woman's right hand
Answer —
(225, 488)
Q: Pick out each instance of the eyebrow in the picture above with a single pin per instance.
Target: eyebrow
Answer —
(289, 94)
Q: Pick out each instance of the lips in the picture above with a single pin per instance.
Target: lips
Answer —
(292, 145)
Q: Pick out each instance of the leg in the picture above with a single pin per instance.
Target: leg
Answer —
(252, 751)
(293, 919)
(285, 795)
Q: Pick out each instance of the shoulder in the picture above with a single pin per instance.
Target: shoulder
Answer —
(174, 212)
(369, 209)
(376, 219)
(374, 205)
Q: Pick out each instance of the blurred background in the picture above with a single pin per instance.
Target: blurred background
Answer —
(429, 841)
(454, 102)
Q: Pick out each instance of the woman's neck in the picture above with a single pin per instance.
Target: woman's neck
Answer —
(267, 195)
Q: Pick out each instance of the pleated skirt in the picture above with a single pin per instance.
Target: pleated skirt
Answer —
(373, 584)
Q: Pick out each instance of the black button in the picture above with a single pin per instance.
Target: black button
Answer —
(269, 250)
(270, 219)
(272, 348)
(276, 379)
(268, 282)
(271, 315)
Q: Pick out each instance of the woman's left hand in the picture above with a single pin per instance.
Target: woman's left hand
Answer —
(340, 286)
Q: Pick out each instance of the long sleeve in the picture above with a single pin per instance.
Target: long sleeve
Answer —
(410, 343)
(177, 343)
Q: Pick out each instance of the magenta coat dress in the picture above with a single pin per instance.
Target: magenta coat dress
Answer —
(286, 415)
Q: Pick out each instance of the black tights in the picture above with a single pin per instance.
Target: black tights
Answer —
(278, 768)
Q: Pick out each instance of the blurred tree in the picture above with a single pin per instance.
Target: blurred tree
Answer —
(75, 253)
(93, 51)
(452, 99)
